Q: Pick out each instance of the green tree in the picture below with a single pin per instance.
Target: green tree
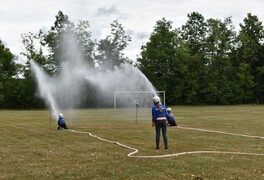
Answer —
(194, 35)
(84, 40)
(163, 60)
(109, 50)
(8, 71)
(33, 51)
(8, 66)
(27, 86)
(62, 41)
(246, 84)
(55, 39)
(180, 67)
(250, 51)
(219, 43)
(1, 94)
(65, 41)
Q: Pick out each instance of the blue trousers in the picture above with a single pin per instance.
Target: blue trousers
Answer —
(161, 124)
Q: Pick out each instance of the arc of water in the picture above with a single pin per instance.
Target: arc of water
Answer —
(45, 88)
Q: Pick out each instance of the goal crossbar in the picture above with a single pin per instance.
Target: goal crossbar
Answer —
(137, 92)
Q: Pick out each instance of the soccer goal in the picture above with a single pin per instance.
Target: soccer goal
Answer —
(138, 99)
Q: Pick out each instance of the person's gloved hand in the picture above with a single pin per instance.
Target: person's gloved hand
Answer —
(153, 124)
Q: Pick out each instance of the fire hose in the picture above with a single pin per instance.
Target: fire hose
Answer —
(135, 151)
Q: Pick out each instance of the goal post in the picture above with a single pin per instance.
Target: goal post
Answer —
(135, 97)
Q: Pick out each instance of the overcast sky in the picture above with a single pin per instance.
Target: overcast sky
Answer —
(138, 17)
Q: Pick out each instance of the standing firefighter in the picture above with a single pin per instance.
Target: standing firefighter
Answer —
(61, 122)
(159, 119)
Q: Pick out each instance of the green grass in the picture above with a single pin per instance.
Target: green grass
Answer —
(32, 148)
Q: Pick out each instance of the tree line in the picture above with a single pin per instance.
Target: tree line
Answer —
(205, 61)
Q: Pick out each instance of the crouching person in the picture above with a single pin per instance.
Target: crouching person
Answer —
(61, 122)
(170, 118)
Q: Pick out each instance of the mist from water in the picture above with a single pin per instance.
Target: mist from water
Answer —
(65, 89)
(46, 88)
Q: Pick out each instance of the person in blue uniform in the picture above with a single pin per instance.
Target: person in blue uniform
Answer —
(170, 118)
(61, 122)
(159, 120)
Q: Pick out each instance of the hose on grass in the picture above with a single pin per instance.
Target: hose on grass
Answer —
(221, 132)
(135, 151)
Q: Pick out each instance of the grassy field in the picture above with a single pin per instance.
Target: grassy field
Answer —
(32, 148)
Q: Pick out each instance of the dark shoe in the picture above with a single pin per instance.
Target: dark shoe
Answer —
(166, 147)
(157, 147)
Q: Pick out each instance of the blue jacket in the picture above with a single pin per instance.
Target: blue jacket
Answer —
(156, 113)
(170, 117)
(61, 121)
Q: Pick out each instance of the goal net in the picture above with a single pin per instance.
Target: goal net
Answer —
(138, 99)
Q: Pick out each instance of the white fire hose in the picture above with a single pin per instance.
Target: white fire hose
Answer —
(135, 151)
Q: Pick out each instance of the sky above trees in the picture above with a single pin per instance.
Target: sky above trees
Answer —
(137, 17)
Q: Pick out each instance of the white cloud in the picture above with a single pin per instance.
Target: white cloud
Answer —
(103, 11)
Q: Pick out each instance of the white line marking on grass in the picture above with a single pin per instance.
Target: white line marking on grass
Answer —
(135, 151)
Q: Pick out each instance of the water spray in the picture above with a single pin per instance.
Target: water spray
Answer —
(45, 88)
(65, 89)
